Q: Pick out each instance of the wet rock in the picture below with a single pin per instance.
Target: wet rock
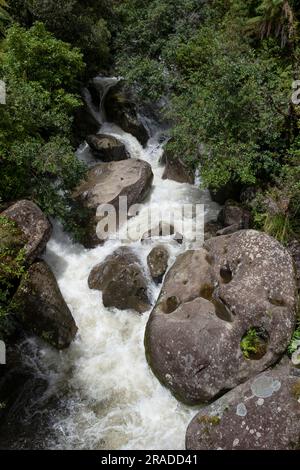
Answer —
(34, 224)
(262, 414)
(105, 184)
(41, 308)
(210, 300)
(176, 170)
(121, 110)
(107, 147)
(121, 279)
(158, 260)
(163, 229)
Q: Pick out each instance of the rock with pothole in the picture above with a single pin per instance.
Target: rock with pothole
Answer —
(107, 147)
(225, 313)
(158, 260)
(122, 281)
(261, 414)
(34, 225)
(41, 309)
(105, 184)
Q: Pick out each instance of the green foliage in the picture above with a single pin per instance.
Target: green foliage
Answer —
(234, 115)
(82, 24)
(277, 18)
(228, 67)
(145, 37)
(38, 160)
(253, 344)
(4, 17)
(277, 211)
(12, 269)
(295, 342)
(250, 343)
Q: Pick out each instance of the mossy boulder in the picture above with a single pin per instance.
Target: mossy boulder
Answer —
(34, 224)
(12, 243)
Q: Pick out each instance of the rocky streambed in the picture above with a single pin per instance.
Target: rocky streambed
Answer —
(129, 342)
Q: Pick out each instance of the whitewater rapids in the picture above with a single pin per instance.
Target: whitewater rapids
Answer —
(109, 398)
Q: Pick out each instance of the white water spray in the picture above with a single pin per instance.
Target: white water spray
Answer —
(108, 396)
(119, 403)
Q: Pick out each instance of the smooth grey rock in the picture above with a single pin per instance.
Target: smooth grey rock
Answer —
(262, 414)
(210, 299)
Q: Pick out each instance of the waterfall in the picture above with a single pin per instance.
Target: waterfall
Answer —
(102, 85)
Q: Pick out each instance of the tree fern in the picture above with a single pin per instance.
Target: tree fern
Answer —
(274, 18)
(4, 16)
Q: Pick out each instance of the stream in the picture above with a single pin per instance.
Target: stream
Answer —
(101, 394)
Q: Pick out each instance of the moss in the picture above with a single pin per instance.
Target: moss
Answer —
(206, 291)
(254, 343)
(12, 241)
(296, 390)
(12, 269)
(294, 344)
(209, 420)
(170, 305)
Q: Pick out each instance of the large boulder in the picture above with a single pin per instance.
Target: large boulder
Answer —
(262, 414)
(158, 260)
(177, 170)
(107, 148)
(122, 281)
(34, 224)
(225, 313)
(121, 110)
(105, 184)
(41, 309)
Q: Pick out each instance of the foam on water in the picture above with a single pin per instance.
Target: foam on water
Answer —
(111, 398)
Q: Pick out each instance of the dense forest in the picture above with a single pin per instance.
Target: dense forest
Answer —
(226, 67)
(221, 72)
